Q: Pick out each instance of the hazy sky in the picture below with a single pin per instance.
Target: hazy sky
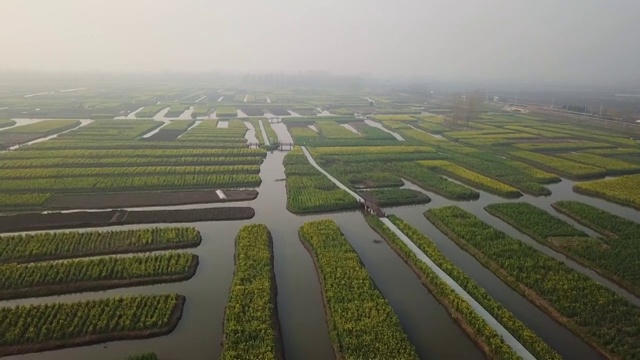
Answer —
(445, 39)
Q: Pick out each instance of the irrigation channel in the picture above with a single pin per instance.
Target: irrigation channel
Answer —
(301, 313)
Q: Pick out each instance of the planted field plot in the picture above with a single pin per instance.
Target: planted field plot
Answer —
(613, 257)
(332, 133)
(172, 131)
(622, 190)
(105, 130)
(176, 110)
(209, 131)
(563, 293)
(508, 171)
(563, 146)
(252, 111)
(251, 328)
(364, 175)
(562, 167)
(25, 133)
(471, 178)
(200, 111)
(226, 111)
(613, 166)
(34, 328)
(431, 181)
(150, 111)
(6, 123)
(394, 197)
(72, 276)
(85, 219)
(490, 342)
(361, 322)
(364, 154)
(308, 190)
(141, 199)
(157, 182)
(399, 117)
(64, 245)
(278, 111)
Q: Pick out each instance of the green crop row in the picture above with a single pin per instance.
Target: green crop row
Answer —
(105, 144)
(311, 191)
(364, 175)
(623, 190)
(42, 127)
(60, 277)
(23, 200)
(431, 181)
(226, 111)
(61, 245)
(178, 125)
(107, 130)
(502, 170)
(617, 256)
(119, 153)
(577, 145)
(176, 110)
(333, 130)
(362, 324)
(598, 315)
(57, 325)
(457, 306)
(368, 150)
(562, 167)
(613, 166)
(471, 178)
(200, 111)
(129, 162)
(533, 221)
(250, 321)
(395, 197)
(150, 111)
(372, 133)
(112, 183)
(56, 172)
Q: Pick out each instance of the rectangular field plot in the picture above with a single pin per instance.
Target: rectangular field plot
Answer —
(25, 133)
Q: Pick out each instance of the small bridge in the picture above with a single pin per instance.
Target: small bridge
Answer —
(275, 120)
(254, 145)
(372, 208)
(285, 146)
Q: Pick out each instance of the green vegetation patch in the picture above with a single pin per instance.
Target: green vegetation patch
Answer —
(362, 324)
(458, 307)
(623, 190)
(61, 277)
(31, 328)
(251, 328)
(60, 245)
(598, 315)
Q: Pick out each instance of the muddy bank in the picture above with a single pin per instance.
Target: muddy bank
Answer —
(143, 199)
(176, 315)
(50, 221)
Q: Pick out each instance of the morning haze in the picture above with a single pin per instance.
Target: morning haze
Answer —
(576, 40)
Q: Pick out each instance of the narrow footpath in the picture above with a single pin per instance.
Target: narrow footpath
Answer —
(491, 321)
